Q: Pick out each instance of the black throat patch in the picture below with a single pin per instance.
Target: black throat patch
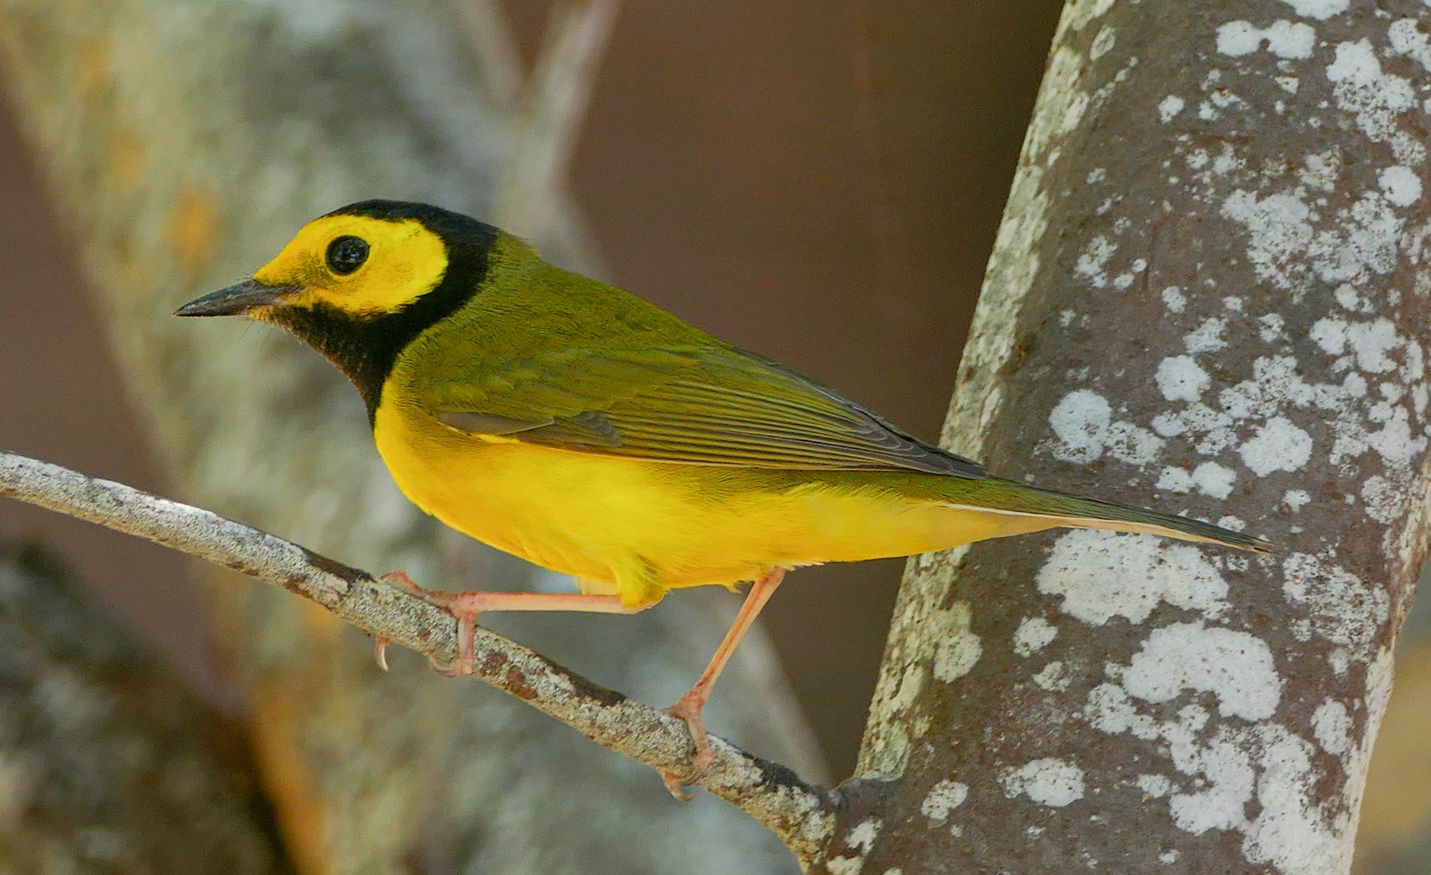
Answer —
(365, 348)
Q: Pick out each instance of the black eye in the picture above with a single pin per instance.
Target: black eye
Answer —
(346, 254)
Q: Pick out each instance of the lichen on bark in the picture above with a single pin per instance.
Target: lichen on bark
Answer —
(1208, 295)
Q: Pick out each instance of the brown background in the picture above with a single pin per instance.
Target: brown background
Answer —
(818, 183)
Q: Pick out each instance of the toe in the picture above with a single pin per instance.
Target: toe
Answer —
(674, 785)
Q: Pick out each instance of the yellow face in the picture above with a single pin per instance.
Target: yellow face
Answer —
(358, 264)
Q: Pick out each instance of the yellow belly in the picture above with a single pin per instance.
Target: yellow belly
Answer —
(639, 528)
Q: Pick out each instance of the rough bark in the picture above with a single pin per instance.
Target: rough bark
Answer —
(1208, 294)
(109, 763)
(187, 142)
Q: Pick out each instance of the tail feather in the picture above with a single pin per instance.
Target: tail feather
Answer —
(1006, 496)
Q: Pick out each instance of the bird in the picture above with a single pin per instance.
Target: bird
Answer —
(580, 427)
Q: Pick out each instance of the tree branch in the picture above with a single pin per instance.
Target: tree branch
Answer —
(801, 814)
(556, 98)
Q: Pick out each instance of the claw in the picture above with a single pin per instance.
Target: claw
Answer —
(464, 608)
(674, 787)
(380, 651)
(398, 577)
(688, 708)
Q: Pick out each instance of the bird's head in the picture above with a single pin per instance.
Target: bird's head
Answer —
(359, 283)
(367, 260)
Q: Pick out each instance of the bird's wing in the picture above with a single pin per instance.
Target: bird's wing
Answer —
(708, 405)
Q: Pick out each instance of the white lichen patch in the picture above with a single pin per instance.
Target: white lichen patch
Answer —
(943, 798)
(1226, 768)
(1238, 38)
(1103, 42)
(1400, 184)
(1093, 263)
(1376, 98)
(1295, 499)
(1234, 666)
(1318, 9)
(1032, 635)
(1285, 39)
(1080, 421)
(1278, 445)
(1290, 40)
(1207, 337)
(1336, 604)
(1169, 107)
(1383, 501)
(1102, 575)
(1227, 778)
(1209, 478)
(1180, 378)
(1331, 724)
(1362, 244)
(1156, 786)
(1278, 229)
(1271, 328)
(1290, 832)
(1047, 781)
(956, 648)
(1175, 480)
(1359, 421)
(1054, 676)
(1407, 38)
(1085, 430)
(858, 842)
(1214, 480)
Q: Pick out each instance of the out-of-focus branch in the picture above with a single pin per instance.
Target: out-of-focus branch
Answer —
(109, 762)
(801, 814)
(501, 64)
(555, 102)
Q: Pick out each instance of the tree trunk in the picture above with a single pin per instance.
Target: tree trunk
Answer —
(1207, 295)
(188, 142)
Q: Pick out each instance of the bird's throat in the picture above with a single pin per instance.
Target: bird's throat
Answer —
(365, 347)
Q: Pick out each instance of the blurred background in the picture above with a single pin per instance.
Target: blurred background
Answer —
(817, 182)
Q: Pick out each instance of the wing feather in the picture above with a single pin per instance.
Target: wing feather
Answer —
(716, 405)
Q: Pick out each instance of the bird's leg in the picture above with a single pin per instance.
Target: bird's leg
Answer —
(690, 706)
(465, 607)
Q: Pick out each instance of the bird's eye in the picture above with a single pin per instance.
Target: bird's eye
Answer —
(346, 254)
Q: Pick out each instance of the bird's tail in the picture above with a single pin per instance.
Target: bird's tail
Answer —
(1008, 497)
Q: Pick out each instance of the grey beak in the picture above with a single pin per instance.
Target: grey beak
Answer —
(236, 299)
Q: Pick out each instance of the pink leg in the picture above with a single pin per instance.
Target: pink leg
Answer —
(465, 607)
(690, 706)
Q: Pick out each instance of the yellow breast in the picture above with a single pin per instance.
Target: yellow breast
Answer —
(639, 528)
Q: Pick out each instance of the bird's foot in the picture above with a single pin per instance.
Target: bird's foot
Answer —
(689, 708)
(464, 608)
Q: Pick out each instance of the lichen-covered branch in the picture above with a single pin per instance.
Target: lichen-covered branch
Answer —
(801, 814)
(1210, 294)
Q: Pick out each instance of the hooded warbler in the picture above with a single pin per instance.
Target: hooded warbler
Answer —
(578, 426)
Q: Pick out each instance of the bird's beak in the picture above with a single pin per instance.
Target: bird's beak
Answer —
(236, 299)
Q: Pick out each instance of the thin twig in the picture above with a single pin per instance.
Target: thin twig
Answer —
(496, 50)
(801, 814)
(555, 102)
